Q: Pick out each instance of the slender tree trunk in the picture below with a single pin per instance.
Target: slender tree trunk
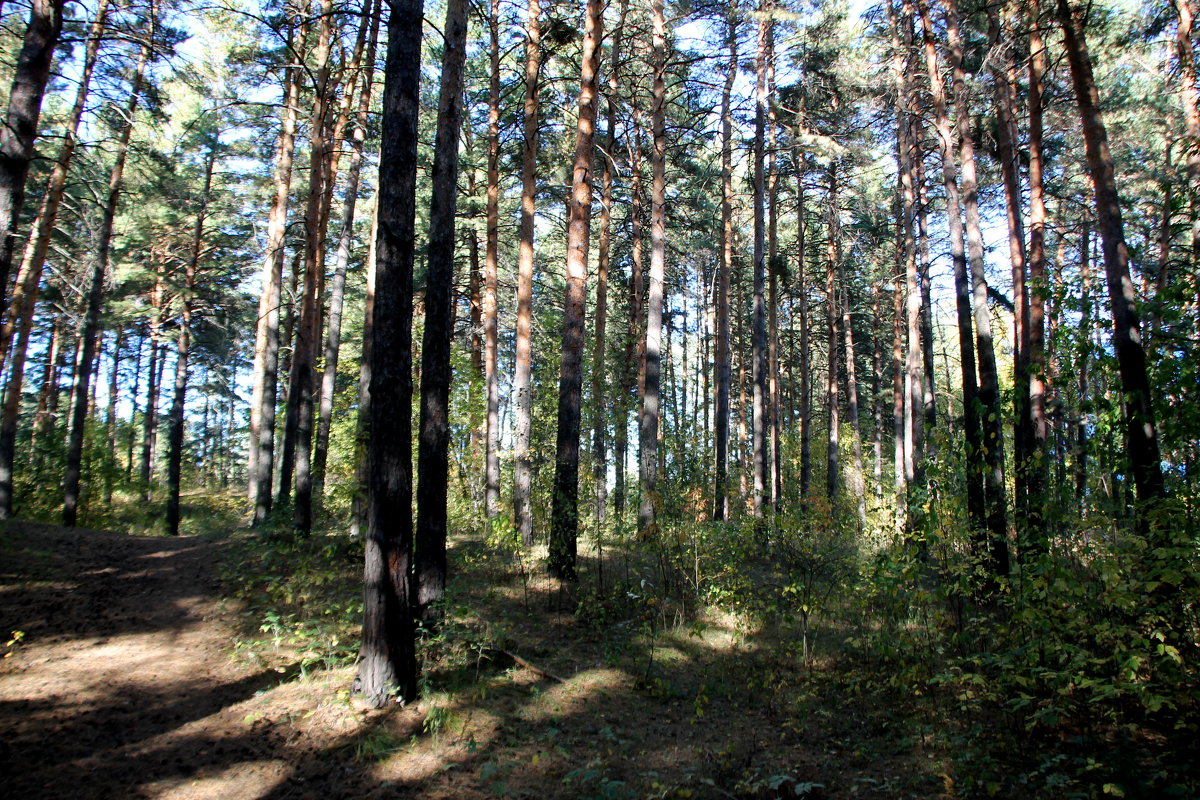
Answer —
(599, 370)
(491, 262)
(114, 377)
(266, 348)
(298, 435)
(1189, 96)
(20, 128)
(976, 506)
(759, 347)
(833, 475)
(635, 344)
(658, 258)
(182, 353)
(153, 376)
(333, 334)
(805, 354)
(358, 506)
(433, 453)
(388, 656)
(95, 295)
(133, 395)
(989, 384)
(1038, 424)
(522, 375)
(1127, 341)
(877, 390)
(1084, 359)
(856, 476)
(724, 271)
(773, 268)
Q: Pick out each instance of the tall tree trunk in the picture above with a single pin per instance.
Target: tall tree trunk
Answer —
(635, 345)
(805, 355)
(110, 424)
(857, 485)
(1189, 96)
(877, 390)
(976, 506)
(1084, 359)
(773, 268)
(387, 661)
(599, 370)
(20, 128)
(24, 296)
(647, 514)
(759, 346)
(833, 474)
(362, 425)
(266, 347)
(491, 262)
(333, 333)
(95, 295)
(991, 423)
(153, 381)
(433, 451)
(1038, 424)
(298, 435)
(724, 271)
(182, 354)
(1006, 144)
(1127, 342)
(914, 433)
(522, 375)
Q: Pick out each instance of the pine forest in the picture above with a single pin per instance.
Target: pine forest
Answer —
(600, 399)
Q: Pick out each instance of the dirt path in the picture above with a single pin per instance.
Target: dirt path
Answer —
(123, 686)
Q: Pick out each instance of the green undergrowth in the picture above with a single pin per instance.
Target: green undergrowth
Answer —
(880, 663)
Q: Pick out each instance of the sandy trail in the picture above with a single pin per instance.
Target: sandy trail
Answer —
(123, 686)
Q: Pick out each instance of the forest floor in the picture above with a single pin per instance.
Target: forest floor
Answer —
(127, 683)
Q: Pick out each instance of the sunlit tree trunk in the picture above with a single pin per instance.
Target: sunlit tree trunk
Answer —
(761, 495)
(1189, 96)
(298, 430)
(333, 333)
(522, 375)
(1039, 425)
(491, 260)
(600, 412)
(654, 302)
(724, 271)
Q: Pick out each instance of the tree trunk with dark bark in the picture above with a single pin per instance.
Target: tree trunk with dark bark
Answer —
(20, 128)
(433, 450)
(387, 659)
(1142, 435)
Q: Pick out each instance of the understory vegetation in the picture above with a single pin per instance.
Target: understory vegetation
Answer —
(825, 667)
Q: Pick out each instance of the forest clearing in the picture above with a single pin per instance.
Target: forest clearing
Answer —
(600, 398)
